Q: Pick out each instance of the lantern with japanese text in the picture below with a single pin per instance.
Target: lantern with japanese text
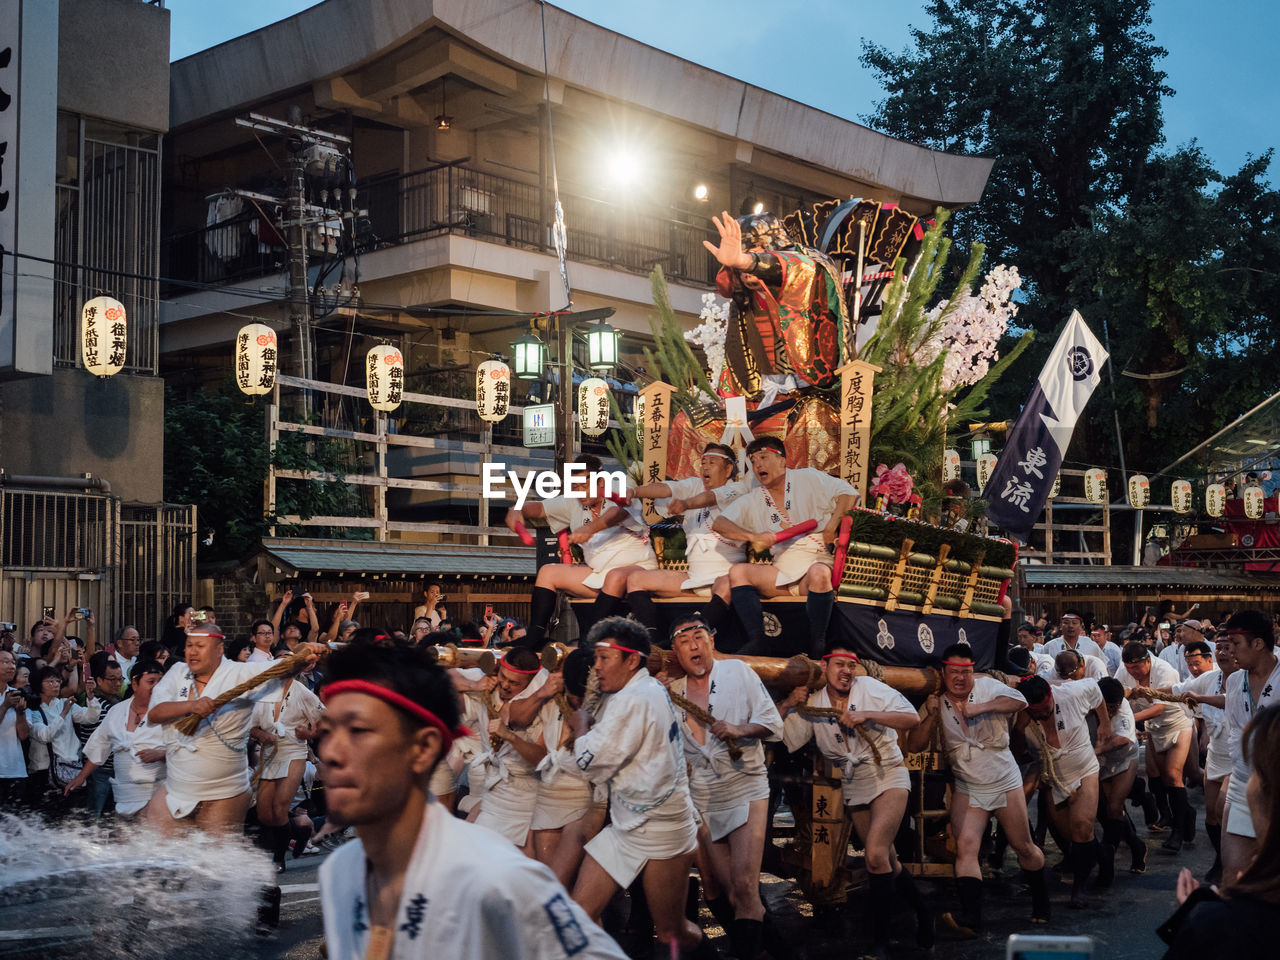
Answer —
(593, 406)
(256, 357)
(1057, 486)
(493, 390)
(1180, 495)
(986, 466)
(950, 465)
(1255, 500)
(1215, 499)
(384, 377)
(102, 336)
(1139, 491)
(1095, 485)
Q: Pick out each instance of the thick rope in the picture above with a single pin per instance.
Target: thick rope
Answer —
(874, 670)
(284, 667)
(831, 713)
(1047, 766)
(1150, 693)
(706, 719)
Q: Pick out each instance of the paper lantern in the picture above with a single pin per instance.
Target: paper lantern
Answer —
(1180, 494)
(1095, 485)
(986, 466)
(1215, 499)
(103, 340)
(950, 465)
(1255, 500)
(257, 355)
(593, 406)
(1139, 491)
(493, 390)
(1057, 486)
(384, 377)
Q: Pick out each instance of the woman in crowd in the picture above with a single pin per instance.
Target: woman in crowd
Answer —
(54, 752)
(175, 629)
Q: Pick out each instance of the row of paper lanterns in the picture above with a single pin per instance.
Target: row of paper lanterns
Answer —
(1139, 492)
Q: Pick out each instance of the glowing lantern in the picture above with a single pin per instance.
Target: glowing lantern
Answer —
(1139, 491)
(950, 465)
(384, 377)
(1095, 485)
(1215, 499)
(102, 336)
(1180, 494)
(593, 406)
(1057, 486)
(256, 357)
(493, 390)
(986, 466)
(1254, 501)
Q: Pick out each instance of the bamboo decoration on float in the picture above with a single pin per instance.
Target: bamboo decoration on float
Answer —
(656, 406)
(857, 382)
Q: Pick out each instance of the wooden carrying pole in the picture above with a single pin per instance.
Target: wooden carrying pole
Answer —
(786, 675)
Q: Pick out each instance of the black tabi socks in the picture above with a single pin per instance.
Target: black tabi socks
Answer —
(1181, 809)
(605, 605)
(1161, 794)
(880, 906)
(541, 606)
(642, 608)
(1040, 910)
(715, 612)
(746, 604)
(818, 607)
(745, 937)
(905, 884)
(969, 890)
(1083, 858)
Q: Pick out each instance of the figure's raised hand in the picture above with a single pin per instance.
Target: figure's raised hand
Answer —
(729, 252)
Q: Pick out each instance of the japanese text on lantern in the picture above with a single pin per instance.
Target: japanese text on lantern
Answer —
(857, 383)
(90, 337)
(395, 378)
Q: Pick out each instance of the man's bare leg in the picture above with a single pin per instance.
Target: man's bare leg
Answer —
(569, 852)
(666, 887)
(594, 888)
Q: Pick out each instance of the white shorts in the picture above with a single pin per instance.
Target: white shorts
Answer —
(624, 853)
(1072, 772)
(1116, 762)
(645, 560)
(1217, 764)
(1164, 738)
(507, 808)
(561, 801)
(868, 780)
(1239, 820)
(277, 768)
(724, 804)
(991, 796)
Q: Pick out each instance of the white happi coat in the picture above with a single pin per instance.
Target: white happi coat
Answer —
(848, 750)
(1073, 757)
(709, 555)
(624, 545)
(1175, 717)
(978, 746)
(468, 895)
(297, 707)
(210, 765)
(133, 781)
(736, 696)
(636, 748)
(809, 494)
(1094, 669)
(1211, 683)
(1176, 657)
(1241, 708)
(506, 782)
(1084, 645)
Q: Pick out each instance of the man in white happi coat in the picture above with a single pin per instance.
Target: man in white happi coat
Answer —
(801, 566)
(710, 555)
(874, 789)
(1170, 734)
(614, 540)
(1071, 625)
(731, 796)
(635, 747)
(1071, 766)
(1206, 693)
(973, 714)
(1254, 686)
(1073, 665)
(206, 775)
(1189, 631)
(1117, 768)
(416, 883)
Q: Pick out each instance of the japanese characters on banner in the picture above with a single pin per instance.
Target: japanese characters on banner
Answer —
(1095, 485)
(493, 390)
(950, 465)
(1139, 491)
(257, 355)
(1057, 486)
(102, 336)
(1215, 499)
(857, 379)
(986, 466)
(654, 423)
(1254, 501)
(384, 377)
(593, 406)
(1180, 495)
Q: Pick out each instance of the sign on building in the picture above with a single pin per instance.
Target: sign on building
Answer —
(540, 425)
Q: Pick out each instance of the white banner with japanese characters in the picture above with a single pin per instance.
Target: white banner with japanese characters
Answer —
(1033, 455)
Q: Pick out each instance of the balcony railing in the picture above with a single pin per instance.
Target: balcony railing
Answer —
(452, 198)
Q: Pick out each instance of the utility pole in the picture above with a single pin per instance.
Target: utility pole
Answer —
(566, 401)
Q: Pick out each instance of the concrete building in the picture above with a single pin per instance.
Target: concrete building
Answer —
(82, 519)
(447, 109)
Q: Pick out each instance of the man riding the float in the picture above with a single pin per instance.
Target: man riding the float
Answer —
(614, 540)
(709, 555)
(801, 566)
(863, 742)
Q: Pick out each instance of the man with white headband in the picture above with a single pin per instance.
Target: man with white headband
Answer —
(417, 883)
(700, 499)
(863, 742)
(731, 795)
(801, 565)
(1071, 626)
(614, 540)
(635, 747)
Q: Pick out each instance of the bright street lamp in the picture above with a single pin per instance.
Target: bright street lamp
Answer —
(602, 346)
(530, 357)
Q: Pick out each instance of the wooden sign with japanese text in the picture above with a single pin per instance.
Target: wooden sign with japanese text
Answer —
(654, 430)
(857, 383)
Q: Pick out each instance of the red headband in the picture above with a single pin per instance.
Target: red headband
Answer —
(959, 663)
(387, 695)
(517, 669)
(206, 632)
(618, 646)
(847, 656)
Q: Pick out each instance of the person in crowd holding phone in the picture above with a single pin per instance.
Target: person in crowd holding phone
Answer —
(54, 750)
(14, 729)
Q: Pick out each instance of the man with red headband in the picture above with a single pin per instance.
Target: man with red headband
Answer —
(731, 796)
(801, 566)
(614, 540)
(635, 747)
(973, 714)
(417, 883)
(875, 790)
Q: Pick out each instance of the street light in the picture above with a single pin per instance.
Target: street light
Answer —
(530, 357)
(602, 346)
